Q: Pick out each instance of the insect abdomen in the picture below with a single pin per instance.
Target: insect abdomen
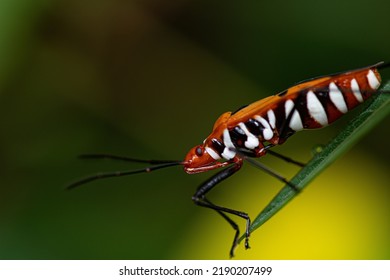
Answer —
(312, 104)
(321, 105)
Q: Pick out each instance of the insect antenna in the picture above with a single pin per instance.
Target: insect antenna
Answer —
(123, 158)
(155, 165)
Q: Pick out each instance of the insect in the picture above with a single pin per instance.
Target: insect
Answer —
(251, 131)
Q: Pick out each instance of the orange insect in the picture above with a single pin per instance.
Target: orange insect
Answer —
(253, 130)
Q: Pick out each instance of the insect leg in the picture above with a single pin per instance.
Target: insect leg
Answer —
(250, 153)
(285, 158)
(272, 173)
(200, 199)
(234, 226)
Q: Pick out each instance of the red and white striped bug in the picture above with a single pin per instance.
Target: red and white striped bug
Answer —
(253, 130)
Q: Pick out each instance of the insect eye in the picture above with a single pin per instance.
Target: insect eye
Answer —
(199, 151)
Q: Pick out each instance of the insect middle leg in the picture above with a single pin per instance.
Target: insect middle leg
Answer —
(200, 199)
(249, 157)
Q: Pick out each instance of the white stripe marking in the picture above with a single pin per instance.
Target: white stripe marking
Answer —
(271, 118)
(372, 80)
(296, 121)
(337, 98)
(288, 106)
(267, 131)
(356, 90)
(229, 151)
(251, 141)
(315, 108)
(212, 153)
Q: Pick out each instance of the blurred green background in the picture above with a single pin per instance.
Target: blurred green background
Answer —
(148, 79)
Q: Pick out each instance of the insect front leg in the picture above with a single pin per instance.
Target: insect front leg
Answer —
(232, 223)
(200, 199)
